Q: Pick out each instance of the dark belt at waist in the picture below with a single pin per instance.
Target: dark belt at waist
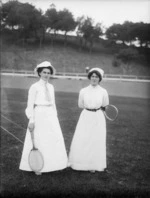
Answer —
(93, 109)
(47, 105)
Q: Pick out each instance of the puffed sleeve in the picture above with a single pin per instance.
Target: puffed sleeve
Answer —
(30, 104)
(105, 101)
(80, 99)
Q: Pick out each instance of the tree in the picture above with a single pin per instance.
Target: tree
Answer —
(52, 20)
(30, 20)
(118, 32)
(42, 27)
(9, 14)
(142, 33)
(66, 22)
(23, 16)
(88, 31)
(112, 32)
(129, 32)
(80, 22)
(95, 34)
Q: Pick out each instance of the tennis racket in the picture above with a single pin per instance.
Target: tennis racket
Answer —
(35, 158)
(110, 112)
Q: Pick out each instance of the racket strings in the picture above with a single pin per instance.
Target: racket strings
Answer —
(36, 160)
(111, 112)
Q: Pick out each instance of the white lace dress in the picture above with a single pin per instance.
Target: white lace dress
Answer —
(48, 135)
(88, 147)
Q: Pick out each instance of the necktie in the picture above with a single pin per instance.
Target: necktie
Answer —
(47, 95)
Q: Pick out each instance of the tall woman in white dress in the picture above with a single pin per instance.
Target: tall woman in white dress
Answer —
(88, 147)
(42, 114)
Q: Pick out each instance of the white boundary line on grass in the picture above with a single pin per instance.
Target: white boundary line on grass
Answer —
(12, 122)
(11, 134)
(76, 77)
(9, 131)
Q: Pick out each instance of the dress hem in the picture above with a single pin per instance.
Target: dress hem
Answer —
(29, 170)
(86, 168)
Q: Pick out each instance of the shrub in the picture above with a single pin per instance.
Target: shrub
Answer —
(127, 55)
(116, 62)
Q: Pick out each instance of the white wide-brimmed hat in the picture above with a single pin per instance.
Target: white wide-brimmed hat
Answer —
(100, 71)
(45, 64)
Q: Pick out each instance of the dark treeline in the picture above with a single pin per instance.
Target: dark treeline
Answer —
(30, 22)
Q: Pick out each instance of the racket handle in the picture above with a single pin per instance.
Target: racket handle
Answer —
(32, 138)
(103, 108)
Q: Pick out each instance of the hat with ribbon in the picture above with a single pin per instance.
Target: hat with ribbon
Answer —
(44, 65)
(100, 71)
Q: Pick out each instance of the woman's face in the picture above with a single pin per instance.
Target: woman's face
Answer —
(94, 79)
(45, 74)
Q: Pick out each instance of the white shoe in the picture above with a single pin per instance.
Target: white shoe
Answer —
(38, 173)
(92, 171)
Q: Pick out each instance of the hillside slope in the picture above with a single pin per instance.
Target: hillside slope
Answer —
(64, 59)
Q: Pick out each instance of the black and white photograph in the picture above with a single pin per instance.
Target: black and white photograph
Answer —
(75, 98)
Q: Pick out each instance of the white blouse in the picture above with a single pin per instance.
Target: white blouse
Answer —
(93, 97)
(36, 96)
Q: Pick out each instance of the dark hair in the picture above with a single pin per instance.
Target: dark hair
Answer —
(40, 69)
(96, 72)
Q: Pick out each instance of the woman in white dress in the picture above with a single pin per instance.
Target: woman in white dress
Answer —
(88, 147)
(42, 114)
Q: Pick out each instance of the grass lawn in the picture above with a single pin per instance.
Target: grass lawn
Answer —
(128, 145)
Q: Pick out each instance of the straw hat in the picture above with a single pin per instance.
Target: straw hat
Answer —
(45, 64)
(100, 71)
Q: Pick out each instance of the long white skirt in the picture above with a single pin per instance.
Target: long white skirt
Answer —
(88, 147)
(48, 139)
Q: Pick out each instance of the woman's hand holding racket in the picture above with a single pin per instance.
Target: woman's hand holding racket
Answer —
(35, 159)
(110, 112)
(31, 126)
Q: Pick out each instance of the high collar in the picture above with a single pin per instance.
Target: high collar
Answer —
(43, 82)
(94, 87)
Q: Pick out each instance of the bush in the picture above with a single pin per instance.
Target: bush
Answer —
(127, 55)
(116, 62)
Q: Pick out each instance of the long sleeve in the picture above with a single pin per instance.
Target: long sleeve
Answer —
(54, 103)
(105, 101)
(80, 100)
(30, 104)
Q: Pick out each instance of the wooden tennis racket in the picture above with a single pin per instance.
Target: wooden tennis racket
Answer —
(110, 112)
(35, 158)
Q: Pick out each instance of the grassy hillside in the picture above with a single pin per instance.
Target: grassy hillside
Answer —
(20, 56)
